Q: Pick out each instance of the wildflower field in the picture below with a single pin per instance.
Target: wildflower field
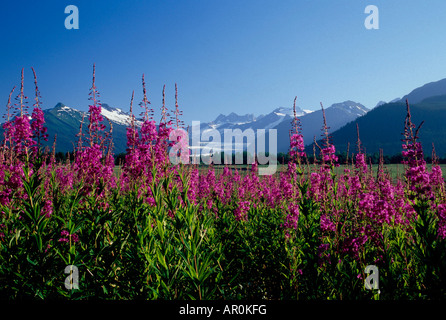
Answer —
(151, 230)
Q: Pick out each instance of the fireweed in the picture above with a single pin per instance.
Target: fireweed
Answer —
(158, 230)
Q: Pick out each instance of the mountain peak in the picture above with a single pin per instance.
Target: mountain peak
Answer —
(234, 118)
(351, 106)
(281, 111)
(59, 105)
(61, 108)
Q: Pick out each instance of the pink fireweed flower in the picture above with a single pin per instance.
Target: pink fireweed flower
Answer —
(291, 173)
(436, 176)
(292, 218)
(315, 184)
(360, 163)
(47, 209)
(95, 119)
(226, 172)
(150, 200)
(37, 125)
(21, 133)
(287, 189)
(148, 132)
(326, 223)
(92, 167)
(5, 196)
(416, 172)
(328, 154)
(66, 236)
(441, 213)
(351, 186)
(211, 179)
(241, 212)
(353, 245)
(132, 137)
(297, 146)
(272, 192)
(15, 182)
(192, 191)
(65, 175)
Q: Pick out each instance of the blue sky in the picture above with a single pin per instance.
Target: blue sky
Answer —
(248, 56)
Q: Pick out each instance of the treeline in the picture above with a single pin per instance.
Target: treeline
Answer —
(343, 158)
(282, 158)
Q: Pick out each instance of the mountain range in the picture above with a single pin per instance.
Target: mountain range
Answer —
(379, 127)
(63, 123)
(383, 126)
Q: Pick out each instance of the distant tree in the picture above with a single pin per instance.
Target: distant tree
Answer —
(119, 158)
(396, 158)
(283, 158)
(60, 157)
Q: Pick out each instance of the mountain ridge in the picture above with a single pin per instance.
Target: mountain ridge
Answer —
(341, 118)
(382, 128)
(431, 89)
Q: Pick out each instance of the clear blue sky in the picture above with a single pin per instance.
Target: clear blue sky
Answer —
(247, 56)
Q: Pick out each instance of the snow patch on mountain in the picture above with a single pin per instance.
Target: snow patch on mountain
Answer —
(116, 115)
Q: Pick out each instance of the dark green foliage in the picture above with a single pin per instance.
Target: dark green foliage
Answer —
(255, 256)
(381, 127)
(128, 249)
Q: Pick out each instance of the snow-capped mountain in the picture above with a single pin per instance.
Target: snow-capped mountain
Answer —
(337, 115)
(234, 119)
(350, 107)
(115, 114)
(280, 118)
(267, 121)
(63, 122)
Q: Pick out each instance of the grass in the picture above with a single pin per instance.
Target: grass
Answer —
(396, 171)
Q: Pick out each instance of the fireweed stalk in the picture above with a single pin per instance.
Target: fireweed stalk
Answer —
(20, 152)
(93, 166)
(146, 161)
